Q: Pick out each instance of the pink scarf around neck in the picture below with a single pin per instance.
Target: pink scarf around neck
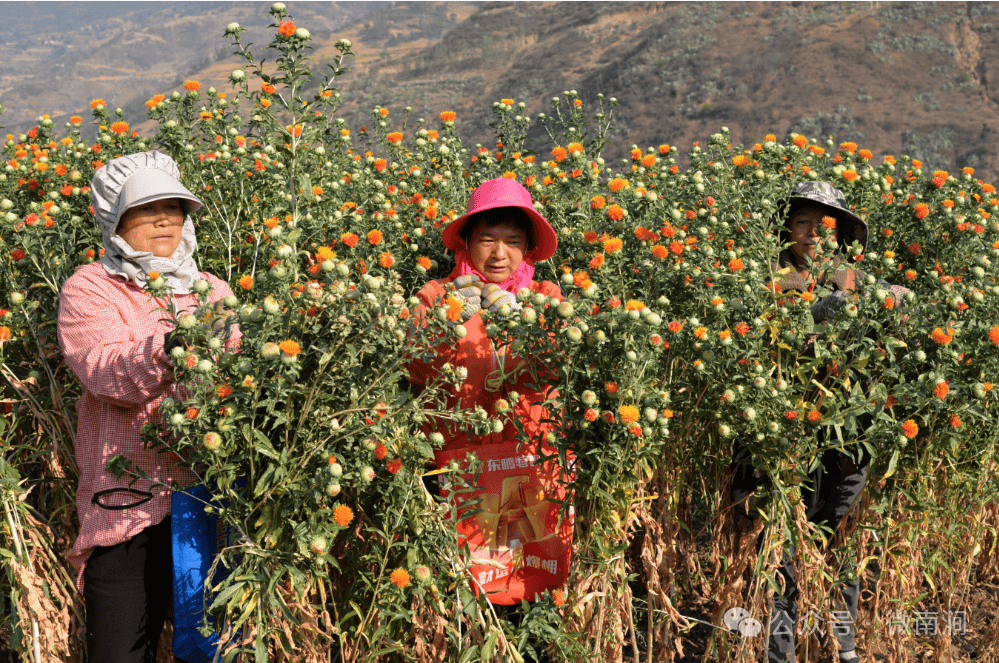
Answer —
(521, 277)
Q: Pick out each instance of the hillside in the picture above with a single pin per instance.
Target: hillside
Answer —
(915, 78)
(65, 54)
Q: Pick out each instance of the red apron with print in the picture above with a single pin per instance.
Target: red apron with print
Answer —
(512, 523)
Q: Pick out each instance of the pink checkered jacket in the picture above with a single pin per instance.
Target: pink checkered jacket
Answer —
(112, 337)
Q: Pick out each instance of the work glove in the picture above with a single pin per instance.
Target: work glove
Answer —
(493, 297)
(467, 288)
(219, 322)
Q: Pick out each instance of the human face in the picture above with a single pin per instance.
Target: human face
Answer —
(803, 228)
(155, 227)
(497, 250)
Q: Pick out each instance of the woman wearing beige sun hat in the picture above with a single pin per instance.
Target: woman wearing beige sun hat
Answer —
(114, 335)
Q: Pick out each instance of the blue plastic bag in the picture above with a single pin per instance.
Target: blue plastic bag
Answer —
(197, 539)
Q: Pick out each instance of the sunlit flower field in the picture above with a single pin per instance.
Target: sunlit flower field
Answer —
(674, 342)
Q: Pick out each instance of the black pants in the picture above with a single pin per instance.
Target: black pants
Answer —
(128, 589)
(835, 490)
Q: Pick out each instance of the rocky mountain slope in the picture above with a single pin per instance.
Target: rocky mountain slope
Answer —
(915, 78)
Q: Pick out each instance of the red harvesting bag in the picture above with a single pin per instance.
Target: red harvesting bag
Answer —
(512, 523)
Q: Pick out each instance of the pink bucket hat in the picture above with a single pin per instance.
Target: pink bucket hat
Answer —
(503, 192)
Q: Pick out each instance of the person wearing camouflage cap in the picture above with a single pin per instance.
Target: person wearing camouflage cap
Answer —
(835, 489)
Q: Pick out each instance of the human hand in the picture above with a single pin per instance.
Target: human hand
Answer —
(218, 319)
(494, 297)
(467, 288)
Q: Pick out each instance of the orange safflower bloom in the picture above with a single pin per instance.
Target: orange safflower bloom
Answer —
(849, 175)
(954, 421)
(119, 128)
(325, 253)
(916, 163)
(611, 387)
(192, 86)
(865, 154)
(617, 184)
(643, 234)
(574, 147)
(394, 137)
(591, 237)
(381, 165)
(597, 261)
(559, 153)
(454, 308)
(941, 337)
(800, 141)
(814, 416)
(740, 160)
(96, 102)
(286, 29)
(664, 149)
(615, 213)
(910, 429)
(386, 260)
(742, 329)
(922, 210)
(676, 247)
(941, 390)
(735, 265)
(848, 147)
(660, 251)
(317, 191)
(597, 202)
(246, 282)
(700, 332)
(675, 327)
(448, 116)
(613, 244)
(636, 154)
(994, 335)
(4, 333)
(649, 160)
(910, 274)
(634, 305)
(629, 414)
(374, 237)
(76, 119)
(829, 222)
(290, 348)
(400, 578)
(342, 515)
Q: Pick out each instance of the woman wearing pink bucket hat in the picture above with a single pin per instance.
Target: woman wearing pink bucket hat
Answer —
(517, 532)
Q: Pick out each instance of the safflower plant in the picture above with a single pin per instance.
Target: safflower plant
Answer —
(674, 342)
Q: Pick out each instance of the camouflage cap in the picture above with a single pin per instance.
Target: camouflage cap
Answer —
(849, 226)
